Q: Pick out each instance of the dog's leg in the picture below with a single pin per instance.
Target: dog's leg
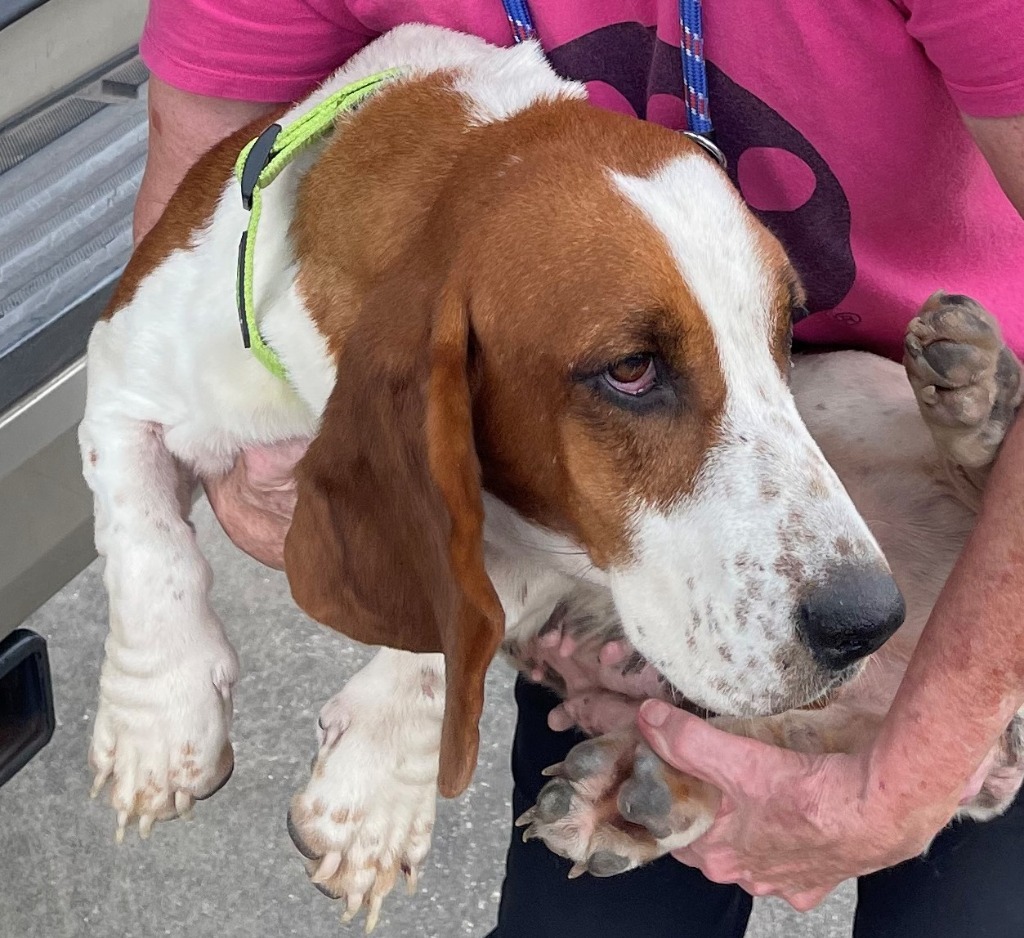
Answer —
(967, 382)
(161, 731)
(969, 387)
(367, 813)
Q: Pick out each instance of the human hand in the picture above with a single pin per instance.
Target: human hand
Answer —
(602, 684)
(254, 501)
(792, 824)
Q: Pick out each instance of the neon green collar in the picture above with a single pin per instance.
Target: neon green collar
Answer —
(258, 165)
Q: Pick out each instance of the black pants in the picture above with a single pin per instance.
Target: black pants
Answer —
(971, 884)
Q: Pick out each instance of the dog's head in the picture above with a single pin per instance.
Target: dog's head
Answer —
(592, 328)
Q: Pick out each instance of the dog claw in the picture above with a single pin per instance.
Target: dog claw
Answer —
(183, 804)
(553, 771)
(578, 869)
(327, 868)
(122, 823)
(331, 735)
(145, 826)
(526, 817)
(412, 878)
(98, 782)
(374, 914)
(353, 904)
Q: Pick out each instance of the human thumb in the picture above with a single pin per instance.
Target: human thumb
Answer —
(694, 746)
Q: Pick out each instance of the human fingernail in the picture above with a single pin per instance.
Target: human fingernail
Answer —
(654, 712)
(612, 653)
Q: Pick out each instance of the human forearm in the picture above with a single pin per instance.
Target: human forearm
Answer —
(966, 678)
(182, 127)
(1001, 140)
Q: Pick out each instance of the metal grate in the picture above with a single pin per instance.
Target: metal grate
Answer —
(26, 134)
(22, 141)
(69, 173)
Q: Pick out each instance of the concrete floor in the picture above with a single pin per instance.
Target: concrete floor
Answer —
(232, 871)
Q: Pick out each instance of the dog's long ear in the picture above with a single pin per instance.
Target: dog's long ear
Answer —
(386, 544)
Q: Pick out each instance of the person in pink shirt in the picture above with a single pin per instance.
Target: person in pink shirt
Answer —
(883, 142)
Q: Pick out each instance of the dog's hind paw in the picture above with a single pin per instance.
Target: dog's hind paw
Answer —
(613, 805)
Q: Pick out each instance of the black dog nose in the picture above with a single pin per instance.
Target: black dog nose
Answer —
(850, 615)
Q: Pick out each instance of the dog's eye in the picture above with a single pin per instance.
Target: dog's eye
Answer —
(635, 375)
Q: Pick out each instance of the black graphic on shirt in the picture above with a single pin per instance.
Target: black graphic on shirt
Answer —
(630, 58)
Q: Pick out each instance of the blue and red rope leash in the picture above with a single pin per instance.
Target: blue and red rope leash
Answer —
(520, 20)
(691, 48)
(695, 72)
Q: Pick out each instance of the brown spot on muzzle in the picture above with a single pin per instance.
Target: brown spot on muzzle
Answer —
(843, 547)
(790, 568)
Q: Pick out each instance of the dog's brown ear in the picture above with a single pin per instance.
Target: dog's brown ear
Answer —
(386, 544)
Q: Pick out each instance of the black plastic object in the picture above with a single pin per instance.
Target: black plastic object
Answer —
(26, 701)
(256, 161)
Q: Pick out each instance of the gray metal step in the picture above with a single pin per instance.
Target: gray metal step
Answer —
(66, 210)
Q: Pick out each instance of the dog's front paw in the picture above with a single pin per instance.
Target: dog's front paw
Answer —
(613, 805)
(967, 381)
(367, 815)
(161, 731)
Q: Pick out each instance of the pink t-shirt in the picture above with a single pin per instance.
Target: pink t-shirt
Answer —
(839, 118)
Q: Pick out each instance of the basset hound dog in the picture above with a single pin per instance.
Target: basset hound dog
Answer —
(543, 352)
